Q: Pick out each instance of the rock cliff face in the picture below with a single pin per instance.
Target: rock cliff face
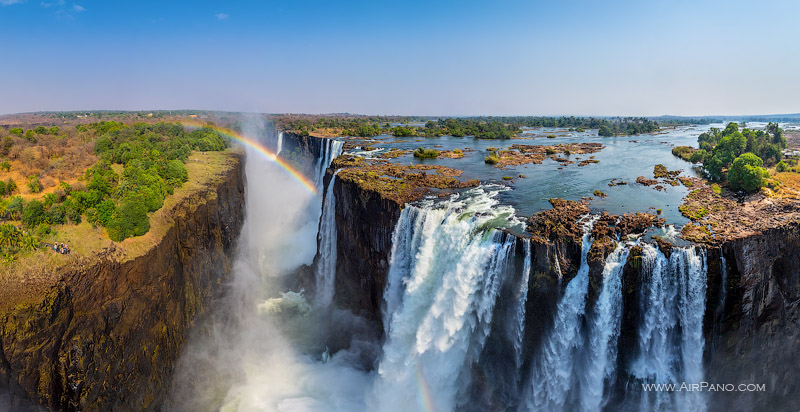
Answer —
(364, 223)
(105, 336)
(757, 333)
(751, 324)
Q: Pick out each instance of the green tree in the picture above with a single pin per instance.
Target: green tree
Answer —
(604, 131)
(17, 131)
(746, 173)
(56, 215)
(129, 220)
(782, 167)
(698, 156)
(9, 235)
(33, 214)
(15, 208)
(175, 173)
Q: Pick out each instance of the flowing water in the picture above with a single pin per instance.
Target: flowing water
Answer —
(670, 345)
(456, 331)
(326, 264)
(451, 273)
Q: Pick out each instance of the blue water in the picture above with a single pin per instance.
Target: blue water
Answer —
(624, 157)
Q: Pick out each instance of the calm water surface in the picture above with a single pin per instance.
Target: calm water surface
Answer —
(623, 158)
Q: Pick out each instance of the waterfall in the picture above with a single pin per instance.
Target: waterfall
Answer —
(670, 345)
(326, 264)
(521, 298)
(329, 150)
(603, 332)
(280, 144)
(558, 264)
(553, 373)
(447, 265)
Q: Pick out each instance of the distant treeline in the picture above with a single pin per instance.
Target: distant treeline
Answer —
(607, 126)
(479, 127)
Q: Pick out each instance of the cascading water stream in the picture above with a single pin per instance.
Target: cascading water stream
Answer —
(448, 262)
(521, 298)
(326, 264)
(553, 374)
(280, 144)
(329, 150)
(670, 345)
(604, 332)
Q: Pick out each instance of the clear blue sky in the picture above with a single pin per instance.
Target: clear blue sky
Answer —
(403, 57)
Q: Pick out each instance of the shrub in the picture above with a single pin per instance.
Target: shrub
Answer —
(423, 153)
(33, 214)
(175, 173)
(11, 187)
(43, 230)
(746, 173)
(507, 178)
(5, 166)
(492, 159)
(33, 185)
(782, 167)
(50, 199)
(71, 212)
(130, 219)
(105, 211)
(684, 152)
(55, 215)
(550, 151)
(15, 208)
(551, 136)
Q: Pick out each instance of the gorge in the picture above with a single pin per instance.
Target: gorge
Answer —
(280, 299)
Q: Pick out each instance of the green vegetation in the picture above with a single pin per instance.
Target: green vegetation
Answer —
(508, 177)
(684, 152)
(600, 194)
(492, 159)
(781, 167)
(13, 240)
(482, 127)
(738, 156)
(137, 166)
(746, 173)
(422, 153)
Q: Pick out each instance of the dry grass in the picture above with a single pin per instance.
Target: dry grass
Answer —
(24, 280)
(788, 185)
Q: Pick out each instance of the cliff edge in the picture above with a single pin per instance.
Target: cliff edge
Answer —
(104, 334)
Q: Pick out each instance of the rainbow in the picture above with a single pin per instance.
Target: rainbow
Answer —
(260, 149)
(428, 404)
